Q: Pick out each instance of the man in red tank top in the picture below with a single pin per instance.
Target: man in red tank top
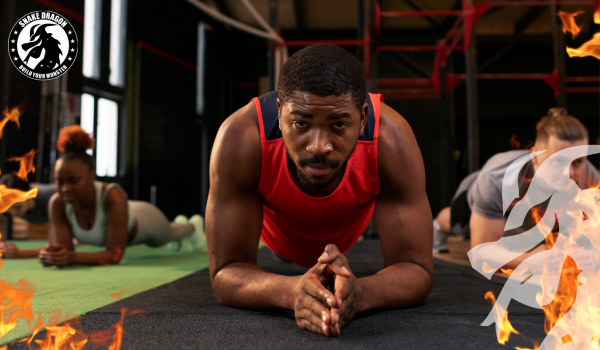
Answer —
(303, 170)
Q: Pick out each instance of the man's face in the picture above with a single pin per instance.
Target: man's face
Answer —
(553, 145)
(320, 134)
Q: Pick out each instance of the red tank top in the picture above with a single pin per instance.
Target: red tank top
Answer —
(297, 226)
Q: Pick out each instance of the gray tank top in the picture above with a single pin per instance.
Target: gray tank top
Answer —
(97, 234)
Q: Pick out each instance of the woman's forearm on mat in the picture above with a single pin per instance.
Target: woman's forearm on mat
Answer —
(99, 258)
(248, 286)
(29, 253)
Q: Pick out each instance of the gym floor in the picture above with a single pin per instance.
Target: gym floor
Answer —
(186, 315)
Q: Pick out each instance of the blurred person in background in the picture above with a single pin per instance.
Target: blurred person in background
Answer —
(476, 208)
(33, 210)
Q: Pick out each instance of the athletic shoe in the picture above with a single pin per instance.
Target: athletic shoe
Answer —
(176, 245)
(198, 238)
(439, 239)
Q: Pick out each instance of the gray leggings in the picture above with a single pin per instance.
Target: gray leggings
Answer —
(153, 228)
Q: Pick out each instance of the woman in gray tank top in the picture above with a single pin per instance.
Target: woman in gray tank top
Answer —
(99, 213)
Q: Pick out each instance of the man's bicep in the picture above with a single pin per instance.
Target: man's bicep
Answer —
(233, 227)
(405, 232)
(234, 209)
(402, 214)
(485, 230)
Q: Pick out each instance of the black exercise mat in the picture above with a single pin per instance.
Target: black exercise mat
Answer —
(186, 315)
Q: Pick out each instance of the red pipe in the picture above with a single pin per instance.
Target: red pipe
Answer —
(421, 13)
(581, 79)
(593, 89)
(419, 47)
(166, 55)
(513, 76)
(332, 42)
(537, 3)
(61, 10)
(392, 94)
(403, 81)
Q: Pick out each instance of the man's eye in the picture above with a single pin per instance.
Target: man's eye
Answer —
(339, 126)
(300, 124)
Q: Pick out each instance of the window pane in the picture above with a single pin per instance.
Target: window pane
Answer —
(117, 42)
(106, 143)
(91, 38)
(87, 115)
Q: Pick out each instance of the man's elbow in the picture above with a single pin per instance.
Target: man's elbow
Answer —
(222, 292)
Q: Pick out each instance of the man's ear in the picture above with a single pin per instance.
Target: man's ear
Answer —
(534, 161)
(363, 118)
(278, 114)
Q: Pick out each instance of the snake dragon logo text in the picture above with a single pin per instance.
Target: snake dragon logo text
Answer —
(42, 45)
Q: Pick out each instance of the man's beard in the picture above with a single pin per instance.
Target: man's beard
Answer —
(322, 160)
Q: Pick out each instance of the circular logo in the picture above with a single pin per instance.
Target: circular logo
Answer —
(42, 45)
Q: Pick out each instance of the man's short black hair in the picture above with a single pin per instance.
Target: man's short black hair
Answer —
(322, 70)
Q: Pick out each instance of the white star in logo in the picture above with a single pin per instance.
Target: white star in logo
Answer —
(16, 59)
(16, 32)
(13, 50)
(12, 41)
(72, 50)
(69, 58)
(70, 32)
(72, 41)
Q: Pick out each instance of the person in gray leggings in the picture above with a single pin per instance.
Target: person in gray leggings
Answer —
(98, 213)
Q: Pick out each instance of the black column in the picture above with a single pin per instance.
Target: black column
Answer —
(270, 46)
(559, 57)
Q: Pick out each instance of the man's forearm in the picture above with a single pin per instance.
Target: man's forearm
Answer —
(248, 286)
(397, 286)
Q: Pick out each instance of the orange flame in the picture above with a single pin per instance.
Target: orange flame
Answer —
(507, 271)
(69, 336)
(26, 165)
(597, 16)
(589, 48)
(536, 346)
(506, 328)
(124, 291)
(15, 302)
(12, 115)
(565, 295)
(569, 24)
(10, 196)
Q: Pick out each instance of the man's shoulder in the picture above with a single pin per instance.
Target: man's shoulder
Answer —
(242, 121)
(498, 163)
(393, 128)
(399, 159)
(236, 157)
(485, 193)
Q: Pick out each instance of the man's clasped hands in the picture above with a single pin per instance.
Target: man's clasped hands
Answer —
(319, 310)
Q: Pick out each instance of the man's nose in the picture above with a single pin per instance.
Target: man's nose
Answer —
(320, 143)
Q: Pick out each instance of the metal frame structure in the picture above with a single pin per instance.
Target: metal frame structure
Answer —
(399, 88)
(440, 83)
(365, 43)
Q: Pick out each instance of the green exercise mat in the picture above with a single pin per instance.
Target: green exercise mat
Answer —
(77, 290)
